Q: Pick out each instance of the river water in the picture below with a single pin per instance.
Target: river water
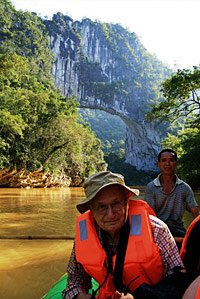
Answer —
(28, 268)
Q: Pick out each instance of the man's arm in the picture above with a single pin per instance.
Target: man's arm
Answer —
(195, 211)
(191, 204)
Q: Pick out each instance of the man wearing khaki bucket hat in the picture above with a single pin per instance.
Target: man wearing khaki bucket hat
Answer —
(100, 180)
(119, 243)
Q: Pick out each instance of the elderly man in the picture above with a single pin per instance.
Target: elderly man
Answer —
(119, 242)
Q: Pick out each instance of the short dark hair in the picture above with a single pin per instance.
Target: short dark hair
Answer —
(169, 151)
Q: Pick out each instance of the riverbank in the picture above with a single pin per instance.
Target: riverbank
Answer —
(11, 178)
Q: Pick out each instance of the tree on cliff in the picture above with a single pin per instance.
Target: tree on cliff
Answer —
(182, 106)
(182, 100)
(39, 127)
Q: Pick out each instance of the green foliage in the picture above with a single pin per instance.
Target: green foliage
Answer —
(25, 34)
(190, 160)
(59, 23)
(84, 151)
(107, 91)
(181, 107)
(187, 145)
(79, 150)
(105, 31)
(39, 127)
(181, 92)
(110, 129)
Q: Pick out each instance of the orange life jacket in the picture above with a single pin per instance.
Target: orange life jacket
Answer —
(183, 248)
(198, 293)
(142, 260)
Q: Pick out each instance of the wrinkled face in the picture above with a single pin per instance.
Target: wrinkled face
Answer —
(167, 163)
(109, 208)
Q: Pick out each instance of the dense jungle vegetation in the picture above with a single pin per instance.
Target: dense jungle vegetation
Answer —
(39, 128)
(110, 129)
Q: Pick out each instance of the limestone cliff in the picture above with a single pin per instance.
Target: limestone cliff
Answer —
(107, 68)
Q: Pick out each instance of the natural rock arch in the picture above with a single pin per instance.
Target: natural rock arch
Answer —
(107, 68)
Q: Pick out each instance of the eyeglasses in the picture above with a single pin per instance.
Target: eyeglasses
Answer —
(102, 209)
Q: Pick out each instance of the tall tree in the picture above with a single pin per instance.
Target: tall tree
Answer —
(181, 97)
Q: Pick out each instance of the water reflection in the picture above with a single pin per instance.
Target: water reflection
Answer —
(28, 268)
(38, 211)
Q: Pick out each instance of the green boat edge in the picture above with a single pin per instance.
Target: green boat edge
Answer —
(56, 291)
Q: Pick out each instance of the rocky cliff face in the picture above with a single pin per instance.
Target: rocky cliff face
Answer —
(107, 68)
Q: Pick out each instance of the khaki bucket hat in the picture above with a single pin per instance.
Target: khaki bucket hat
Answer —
(94, 183)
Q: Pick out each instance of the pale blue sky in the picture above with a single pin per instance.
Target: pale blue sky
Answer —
(168, 28)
